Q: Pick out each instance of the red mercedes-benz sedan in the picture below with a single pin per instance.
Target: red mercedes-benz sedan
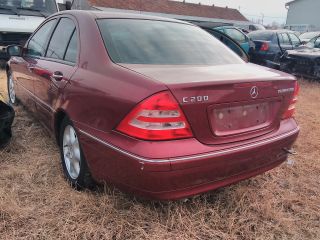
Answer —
(154, 106)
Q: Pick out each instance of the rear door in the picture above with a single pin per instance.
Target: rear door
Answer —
(56, 68)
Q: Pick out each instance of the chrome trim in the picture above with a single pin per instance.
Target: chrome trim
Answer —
(204, 155)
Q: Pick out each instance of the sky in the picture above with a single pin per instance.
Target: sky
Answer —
(272, 10)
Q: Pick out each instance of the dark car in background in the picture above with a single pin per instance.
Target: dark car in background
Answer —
(303, 61)
(270, 45)
(6, 119)
(247, 28)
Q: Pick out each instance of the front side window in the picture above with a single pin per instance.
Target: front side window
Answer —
(134, 41)
(38, 43)
(60, 39)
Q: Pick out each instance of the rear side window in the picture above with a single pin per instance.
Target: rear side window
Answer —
(60, 39)
(164, 43)
(284, 39)
(231, 44)
(236, 35)
(262, 36)
(38, 43)
(72, 50)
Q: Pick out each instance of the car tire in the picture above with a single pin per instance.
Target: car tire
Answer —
(73, 162)
(11, 89)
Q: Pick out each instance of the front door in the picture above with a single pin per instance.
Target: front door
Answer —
(35, 50)
(55, 69)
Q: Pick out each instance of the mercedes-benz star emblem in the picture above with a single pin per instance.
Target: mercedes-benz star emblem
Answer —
(254, 92)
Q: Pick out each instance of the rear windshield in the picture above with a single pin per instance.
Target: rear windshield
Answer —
(263, 36)
(135, 41)
(259, 27)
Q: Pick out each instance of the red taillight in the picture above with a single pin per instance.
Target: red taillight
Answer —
(159, 117)
(264, 47)
(292, 107)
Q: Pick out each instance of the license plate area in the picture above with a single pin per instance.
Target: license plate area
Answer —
(239, 118)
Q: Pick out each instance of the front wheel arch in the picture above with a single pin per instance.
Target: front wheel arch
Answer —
(7, 68)
(9, 80)
(58, 118)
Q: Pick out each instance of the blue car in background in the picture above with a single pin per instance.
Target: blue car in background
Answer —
(229, 42)
(233, 32)
(237, 35)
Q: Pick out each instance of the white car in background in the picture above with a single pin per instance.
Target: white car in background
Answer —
(19, 18)
(307, 36)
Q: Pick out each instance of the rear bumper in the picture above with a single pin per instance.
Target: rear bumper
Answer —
(184, 176)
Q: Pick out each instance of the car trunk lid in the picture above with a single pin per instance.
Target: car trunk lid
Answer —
(227, 103)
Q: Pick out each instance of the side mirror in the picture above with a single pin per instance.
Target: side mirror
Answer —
(68, 5)
(14, 50)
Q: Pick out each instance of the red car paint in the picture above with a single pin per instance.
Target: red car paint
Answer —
(98, 94)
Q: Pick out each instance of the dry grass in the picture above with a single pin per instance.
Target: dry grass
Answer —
(37, 203)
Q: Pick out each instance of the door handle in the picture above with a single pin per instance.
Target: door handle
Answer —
(58, 76)
(31, 68)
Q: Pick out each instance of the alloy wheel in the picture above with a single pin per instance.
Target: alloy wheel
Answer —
(12, 93)
(71, 152)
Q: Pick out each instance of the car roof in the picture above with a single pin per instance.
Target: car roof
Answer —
(315, 32)
(211, 24)
(273, 31)
(97, 14)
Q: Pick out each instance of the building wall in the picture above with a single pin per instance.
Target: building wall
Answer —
(304, 12)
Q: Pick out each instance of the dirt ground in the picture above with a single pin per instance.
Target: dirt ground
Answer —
(37, 203)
